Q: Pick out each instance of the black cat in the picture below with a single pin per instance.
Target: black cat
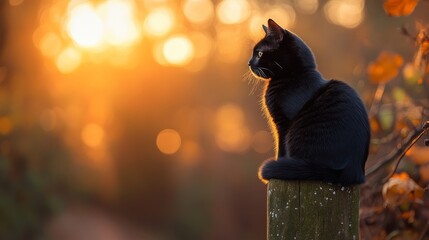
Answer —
(321, 127)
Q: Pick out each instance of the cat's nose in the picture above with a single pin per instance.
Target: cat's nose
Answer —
(248, 63)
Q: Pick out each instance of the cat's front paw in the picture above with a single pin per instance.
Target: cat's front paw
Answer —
(266, 170)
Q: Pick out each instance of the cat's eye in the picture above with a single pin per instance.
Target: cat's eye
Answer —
(260, 54)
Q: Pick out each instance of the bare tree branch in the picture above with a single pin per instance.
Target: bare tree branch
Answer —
(398, 153)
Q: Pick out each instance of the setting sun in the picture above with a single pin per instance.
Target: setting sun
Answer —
(112, 22)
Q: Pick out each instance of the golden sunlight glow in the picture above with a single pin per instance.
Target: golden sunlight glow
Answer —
(231, 135)
(262, 142)
(85, 26)
(233, 11)
(68, 60)
(255, 27)
(92, 135)
(307, 6)
(50, 44)
(283, 15)
(159, 22)
(198, 11)
(120, 25)
(203, 44)
(226, 51)
(178, 50)
(168, 141)
(111, 22)
(151, 4)
(346, 13)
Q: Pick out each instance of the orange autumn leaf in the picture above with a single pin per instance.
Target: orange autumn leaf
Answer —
(399, 8)
(401, 189)
(385, 68)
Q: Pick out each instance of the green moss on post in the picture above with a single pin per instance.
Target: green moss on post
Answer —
(312, 210)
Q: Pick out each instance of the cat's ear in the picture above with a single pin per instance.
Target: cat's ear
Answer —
(275, 31)
(265, 28)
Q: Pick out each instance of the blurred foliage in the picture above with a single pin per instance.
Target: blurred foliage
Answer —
(399, 8)
(399, 115)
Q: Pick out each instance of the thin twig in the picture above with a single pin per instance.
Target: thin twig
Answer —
(376, 102)
(399, 152)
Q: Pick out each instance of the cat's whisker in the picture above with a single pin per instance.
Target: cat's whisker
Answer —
(251, 80)
(278, 64)
(247, 76)
(260, 72)
(263, 73)
(267, 70)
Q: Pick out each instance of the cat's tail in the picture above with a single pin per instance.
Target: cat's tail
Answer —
(287, 168)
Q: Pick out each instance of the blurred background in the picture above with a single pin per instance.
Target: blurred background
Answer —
(136, 119)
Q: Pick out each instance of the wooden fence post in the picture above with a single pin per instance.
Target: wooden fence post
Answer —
(312, 210)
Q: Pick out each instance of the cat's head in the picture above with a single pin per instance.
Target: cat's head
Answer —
(279, 54)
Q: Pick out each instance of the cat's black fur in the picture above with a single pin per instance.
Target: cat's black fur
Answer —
(321, 127)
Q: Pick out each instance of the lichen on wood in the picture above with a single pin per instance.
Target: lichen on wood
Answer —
(312, 210)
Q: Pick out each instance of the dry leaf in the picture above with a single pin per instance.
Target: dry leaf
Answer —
(385, 68)
(399, 8)
(421, 57)
(401, 189)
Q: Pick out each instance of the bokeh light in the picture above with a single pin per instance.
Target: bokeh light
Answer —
(68, 60)
(232, 134)
(168, 141)
(233, 11)
(307, 6)
(198, 11)
(92, 135)
(178, 50)
(50, 45)
(283, 14)
(84, 25)
(159, 21)
(346, 13)
(120, 25)
(255, 27)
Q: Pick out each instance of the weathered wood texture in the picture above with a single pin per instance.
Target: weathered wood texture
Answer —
(312, 210)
